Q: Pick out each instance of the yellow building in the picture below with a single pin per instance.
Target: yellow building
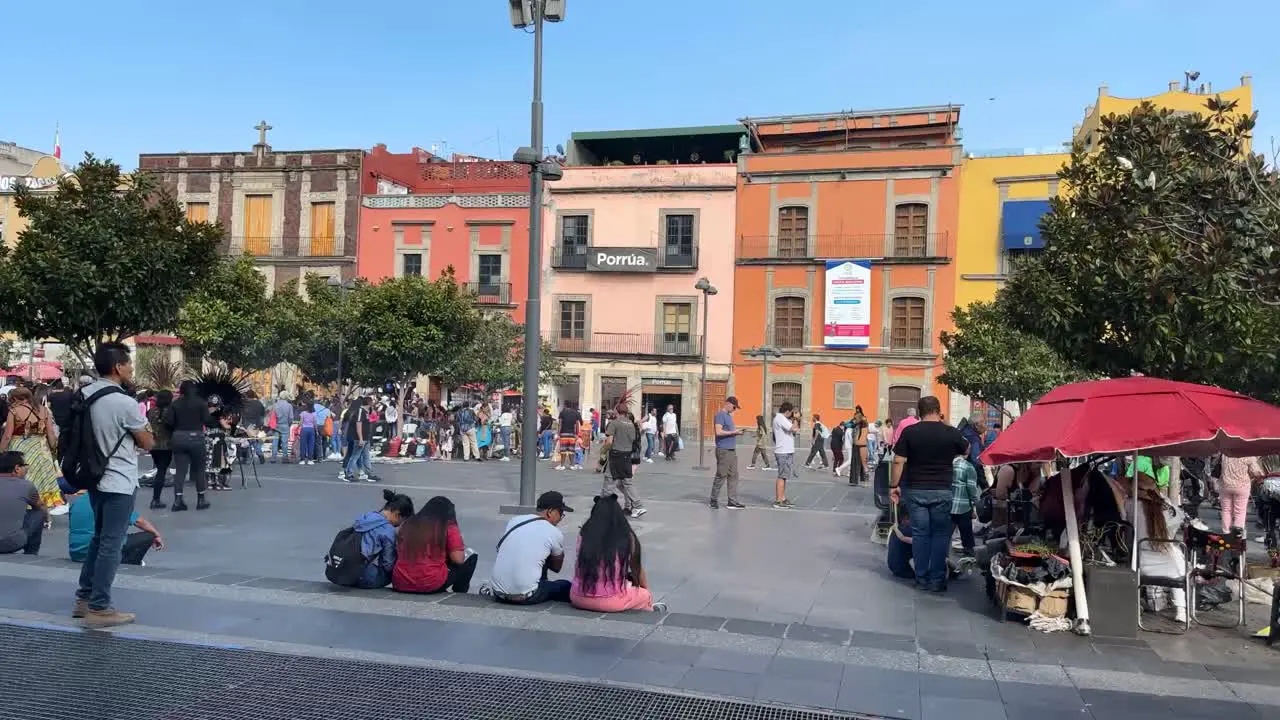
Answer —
(1004, 194)
(22, 166)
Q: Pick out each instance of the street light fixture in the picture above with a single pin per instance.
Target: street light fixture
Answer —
(764, 352)
(532, 13)
(707, 289)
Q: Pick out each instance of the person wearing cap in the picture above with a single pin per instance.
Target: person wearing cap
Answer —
(530, 548)
(726, 456)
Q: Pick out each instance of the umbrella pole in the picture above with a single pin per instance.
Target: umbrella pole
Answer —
(1073, 547)
(1133, 518)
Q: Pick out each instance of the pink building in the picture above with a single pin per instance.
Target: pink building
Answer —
(638, 217)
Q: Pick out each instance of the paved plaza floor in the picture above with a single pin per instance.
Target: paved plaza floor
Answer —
(768, 609)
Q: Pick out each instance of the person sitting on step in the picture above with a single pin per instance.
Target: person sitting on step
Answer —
(530, 548)
(22, 512)
(430, 554)
(610, 576)
(80, 531)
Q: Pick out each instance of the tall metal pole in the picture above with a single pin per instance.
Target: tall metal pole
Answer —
(764, 390)
(533, 304)
(702, 390)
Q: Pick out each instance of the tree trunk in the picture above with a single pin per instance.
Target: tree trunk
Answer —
(402, 393)
(1174, 492)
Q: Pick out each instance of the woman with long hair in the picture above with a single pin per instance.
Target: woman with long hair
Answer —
(30, 431)
(610, 577)
(186, 418)
(430, 554)
(161, 455)
(762, 444)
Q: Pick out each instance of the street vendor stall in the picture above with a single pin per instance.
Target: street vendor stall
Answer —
(1125, 417)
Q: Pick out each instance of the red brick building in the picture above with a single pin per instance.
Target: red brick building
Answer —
(296, 211)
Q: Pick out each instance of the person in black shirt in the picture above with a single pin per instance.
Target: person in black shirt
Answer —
(570, 421)
(252, 417)
(546, 432)
(60, 405)
(922, 467)
(186, 420)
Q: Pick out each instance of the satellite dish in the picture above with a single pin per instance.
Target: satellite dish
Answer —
(559, 149)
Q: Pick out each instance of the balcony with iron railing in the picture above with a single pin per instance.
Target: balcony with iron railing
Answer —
(265, 246)
(671, 258)
(629, 344)
(892, 247)
(491, 293)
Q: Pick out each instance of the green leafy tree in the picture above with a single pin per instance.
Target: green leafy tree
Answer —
(227, 319)
(1161, 258)
(104, 257)
(989, 359)
(307, 329)
(494, 360)
(408, 327)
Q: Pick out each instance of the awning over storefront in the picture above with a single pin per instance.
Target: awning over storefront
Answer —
(1020, 224)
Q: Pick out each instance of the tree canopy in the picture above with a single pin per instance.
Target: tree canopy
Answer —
(228, 318)
(1161, 258)
(105, 257)
(989, 359)
(494, 360)
(307, 329)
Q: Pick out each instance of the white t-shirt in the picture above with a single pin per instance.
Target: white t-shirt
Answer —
(669, 426)
(504, 420)
(650, 423)
(392, 414)
(518, 566)
(784, 439)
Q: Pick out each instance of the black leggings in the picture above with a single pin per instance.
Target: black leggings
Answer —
(161, 458)
(188, 454)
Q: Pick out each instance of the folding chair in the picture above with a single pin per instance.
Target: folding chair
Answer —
(1182, 582)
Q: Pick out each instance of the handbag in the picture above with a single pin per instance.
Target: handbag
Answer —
(985, 506)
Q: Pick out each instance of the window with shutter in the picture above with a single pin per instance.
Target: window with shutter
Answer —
(783, 392)
(793, 232)
(573, 319)
(788, 322)
(908, 324)
(911, 230)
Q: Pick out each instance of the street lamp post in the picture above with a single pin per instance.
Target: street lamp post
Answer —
(708, 290)
(764, 352)
(524, 14)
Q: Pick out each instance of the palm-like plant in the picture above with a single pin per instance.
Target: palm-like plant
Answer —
(161, 372)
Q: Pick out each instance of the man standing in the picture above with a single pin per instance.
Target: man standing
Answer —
(284, 421)
(505, 421)
(467, 420)
(924, 451)
(670, 433)
(570, 426)
(621, 437)
(820, 436)
(784, 452)
(119, 430)
(726, 456)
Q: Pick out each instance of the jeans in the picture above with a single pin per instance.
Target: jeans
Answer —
(335, 442)
(188, 456)
(557, 590)
(899, 558)
(135, 548)
(670, 443)
(546, 438)
(930, 513)
(357, 457)
(726, 473)
(162, 459)
(504, 436)
(111, 513)
(307, 441)
(650, 442)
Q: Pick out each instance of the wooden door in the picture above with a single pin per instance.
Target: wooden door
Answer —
(322, 243)
(902, 397)
(712, 400)
(257, 224)
(911, 230)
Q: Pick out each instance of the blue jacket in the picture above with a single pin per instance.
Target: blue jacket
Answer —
(378, 545)
(970, 433)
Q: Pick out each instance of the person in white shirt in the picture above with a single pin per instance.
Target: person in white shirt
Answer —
(504, 433)
(670, 433)
(785, 427)
(530, 548)
(650, 429)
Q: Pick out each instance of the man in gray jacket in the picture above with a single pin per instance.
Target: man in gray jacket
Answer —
(284, 419)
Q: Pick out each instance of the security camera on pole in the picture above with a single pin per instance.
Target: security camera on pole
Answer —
(525, 14)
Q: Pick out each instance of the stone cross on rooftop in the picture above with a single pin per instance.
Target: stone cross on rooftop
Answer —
(262, 127)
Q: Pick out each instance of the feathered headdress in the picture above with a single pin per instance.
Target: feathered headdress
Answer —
(223, 388)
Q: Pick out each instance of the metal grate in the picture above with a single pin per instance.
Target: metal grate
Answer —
(58, 674)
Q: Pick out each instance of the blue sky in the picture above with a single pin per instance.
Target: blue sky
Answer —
(131, 76)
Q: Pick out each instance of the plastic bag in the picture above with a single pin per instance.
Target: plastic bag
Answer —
(679, 443)
(1212, 595)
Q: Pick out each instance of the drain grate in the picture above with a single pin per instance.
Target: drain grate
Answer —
(58, 674)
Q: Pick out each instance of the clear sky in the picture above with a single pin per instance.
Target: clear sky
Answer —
(130, 76)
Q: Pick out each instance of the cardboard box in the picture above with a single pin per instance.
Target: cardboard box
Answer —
(1055, 604)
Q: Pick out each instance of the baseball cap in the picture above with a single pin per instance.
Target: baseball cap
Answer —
(552, 500)
(734, 402)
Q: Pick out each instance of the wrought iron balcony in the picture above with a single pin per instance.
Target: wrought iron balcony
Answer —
(871, 246)
(492, 293)
(629, 344)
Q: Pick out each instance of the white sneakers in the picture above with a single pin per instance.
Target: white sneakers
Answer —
(637, 512)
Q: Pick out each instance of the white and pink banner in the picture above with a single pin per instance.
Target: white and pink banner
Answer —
(847, 322)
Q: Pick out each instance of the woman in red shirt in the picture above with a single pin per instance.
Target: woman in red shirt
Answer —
(430, 554)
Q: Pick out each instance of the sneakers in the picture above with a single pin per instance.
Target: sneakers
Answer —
(713, 505)
(81, 608)
(783, 505)
(577, 467)
(733, 505)
(506, 458)
(637, 512)
(559, 467)
(485, 590)
(648, 459)
(365, 477)
(60, 510)
(344, 477)
(660, 607)
(109, 617)
(751, 467)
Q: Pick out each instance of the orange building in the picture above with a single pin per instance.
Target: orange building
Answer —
(421, 214)
(846, 227)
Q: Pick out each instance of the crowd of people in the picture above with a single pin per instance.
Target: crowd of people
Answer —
(424, 552)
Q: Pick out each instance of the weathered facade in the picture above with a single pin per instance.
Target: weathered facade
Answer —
(296, 212)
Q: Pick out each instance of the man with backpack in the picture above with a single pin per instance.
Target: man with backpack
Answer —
(100, 454)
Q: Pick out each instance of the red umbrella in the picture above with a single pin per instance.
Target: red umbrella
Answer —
(1138, 414)
(45, 370)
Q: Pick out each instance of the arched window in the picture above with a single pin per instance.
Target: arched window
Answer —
(907, 324)
(911, 230)
(793, 232)
(788, 322)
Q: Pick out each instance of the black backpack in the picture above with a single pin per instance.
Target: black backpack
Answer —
(344, 564)
(82, 461)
